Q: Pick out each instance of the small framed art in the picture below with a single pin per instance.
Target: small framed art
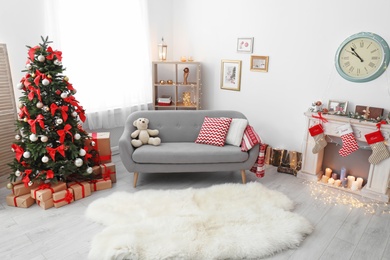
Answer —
(245, 45)
(337, 107)
(259, 63)
(230, 74)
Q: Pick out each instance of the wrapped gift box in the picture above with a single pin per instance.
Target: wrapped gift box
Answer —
(21, 189)
(45, 191)
(100, 184)
(22, 201)
(63, 197)
(102, 145)
(80, 189)
(46, 204)
(108, 171)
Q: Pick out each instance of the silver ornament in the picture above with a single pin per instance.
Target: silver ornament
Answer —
(82, 152)
(45, 82)
(77, 136)
(28, 66)
(41, 58)
(44, 138)
(33, 137)
(89, 170)
(39, 105)
(45, 159)
(78, 162)
(59, 121)
(30, 183)
(64, 95)
(26, 154)
(17, 173)
(17, 137)
(74, 113)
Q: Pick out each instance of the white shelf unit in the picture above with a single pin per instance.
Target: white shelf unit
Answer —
(173, 70)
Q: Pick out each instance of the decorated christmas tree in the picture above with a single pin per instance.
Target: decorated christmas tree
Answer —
(50, 140)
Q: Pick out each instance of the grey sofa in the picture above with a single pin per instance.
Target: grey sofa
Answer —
(178, 151)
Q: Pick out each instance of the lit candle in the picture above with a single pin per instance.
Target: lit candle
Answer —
(324, 179)
(328, 172)
(334, 176)
(331, 181)
(360, 182)
(337, 183)
(351, 179)
(354, 185)
(343, 173)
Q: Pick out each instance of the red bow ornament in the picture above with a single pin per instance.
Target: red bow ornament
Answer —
(63, 132)
(34, 91)
(49, 174)
(31, 52)
(52, 151)
(26, 178)
(57, 54)
(24, 112)
(40, 76)
(38, 120)
(63, 109)
(18, 151)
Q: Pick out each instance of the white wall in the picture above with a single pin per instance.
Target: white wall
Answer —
(300, 37)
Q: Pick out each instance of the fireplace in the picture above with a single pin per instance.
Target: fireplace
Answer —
(377, 177)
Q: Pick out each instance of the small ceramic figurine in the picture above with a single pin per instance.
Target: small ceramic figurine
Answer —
(185, 76)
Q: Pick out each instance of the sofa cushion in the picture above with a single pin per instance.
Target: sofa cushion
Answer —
(236, 131)
(182, 152)
(214, 131)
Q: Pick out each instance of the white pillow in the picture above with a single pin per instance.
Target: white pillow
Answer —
(236, 131)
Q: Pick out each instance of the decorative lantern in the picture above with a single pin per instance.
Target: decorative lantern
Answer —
(162, 50)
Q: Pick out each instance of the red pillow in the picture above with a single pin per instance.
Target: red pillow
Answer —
(214, 131)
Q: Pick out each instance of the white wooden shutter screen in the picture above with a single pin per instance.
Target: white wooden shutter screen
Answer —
(7, 116)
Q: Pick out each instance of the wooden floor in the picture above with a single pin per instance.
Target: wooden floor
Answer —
(341, 231)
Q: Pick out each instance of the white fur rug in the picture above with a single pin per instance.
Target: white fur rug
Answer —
(228, 221)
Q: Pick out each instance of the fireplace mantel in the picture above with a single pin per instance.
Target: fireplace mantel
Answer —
(378, 175)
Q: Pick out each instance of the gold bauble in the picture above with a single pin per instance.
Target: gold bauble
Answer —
(33, 75)
(25, 119)
(49, 76)
(66, 78)
(10, 186)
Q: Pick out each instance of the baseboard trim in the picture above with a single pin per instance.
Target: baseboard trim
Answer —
(115, 150)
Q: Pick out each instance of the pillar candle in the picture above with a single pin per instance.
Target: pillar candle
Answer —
(337, 183)
(324, 179)
(334, 176)
(343, 173)
(344, 182)
(331, 181)
(354, 185)
(328, 172)
(360, 182)
(351, 179)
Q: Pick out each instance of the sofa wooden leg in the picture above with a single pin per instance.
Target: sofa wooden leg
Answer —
(243, 176)
(135, 179)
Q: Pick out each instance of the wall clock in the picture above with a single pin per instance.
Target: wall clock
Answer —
(362, 57)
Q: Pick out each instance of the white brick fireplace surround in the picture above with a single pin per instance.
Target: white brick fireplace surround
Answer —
(376, 186)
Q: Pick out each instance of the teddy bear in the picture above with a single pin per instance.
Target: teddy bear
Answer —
(144, 134)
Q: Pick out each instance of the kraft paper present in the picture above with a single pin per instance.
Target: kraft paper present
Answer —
(80, 189)
(102, 145)
(45, 191)
(108, 171)
(22, 201)
(100, 184)
(63, 197)
(46, 204)
(21, 189)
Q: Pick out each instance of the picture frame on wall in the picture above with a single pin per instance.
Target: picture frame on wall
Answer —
(259, 63)
(231, 74)
(245, 45)
(337, 107)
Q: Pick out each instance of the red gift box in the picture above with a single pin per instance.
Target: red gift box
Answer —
(102, 145)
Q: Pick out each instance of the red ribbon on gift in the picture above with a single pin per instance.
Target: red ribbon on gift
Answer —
(102, 158)
(43, 186)
(68, 197)
(82, 188)
(52, 151)
(320, 117)
(63, 109)
(107, 172)
(18, 151)
(57, 54)
(96, 181)
(63, 132)
(15, 202)
(38, 120)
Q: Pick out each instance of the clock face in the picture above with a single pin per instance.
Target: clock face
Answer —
(362, 57)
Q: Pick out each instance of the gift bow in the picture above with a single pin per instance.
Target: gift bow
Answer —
(34, 91)
(68, 197)
(26, 178)
(38, 120)
(63, 109)
(63, 132)
(49, 174)
(69, 86)
(18, 151)
(25, 81)
(39, 76)
(378, 125)
(52, 53)
(31, 52)
(23, 112)
(52, 151)
(320, 117)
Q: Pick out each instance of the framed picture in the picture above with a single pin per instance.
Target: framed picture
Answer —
(245, 45)
(259, 63)
(337, 107)
(230, 74)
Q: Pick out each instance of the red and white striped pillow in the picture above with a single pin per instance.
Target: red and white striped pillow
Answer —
(214, 131)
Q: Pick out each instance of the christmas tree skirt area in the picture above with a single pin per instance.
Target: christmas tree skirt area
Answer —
(226, 221)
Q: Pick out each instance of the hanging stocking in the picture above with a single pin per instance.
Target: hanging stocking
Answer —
(317, 132)
(379, 149)
(349, 142)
